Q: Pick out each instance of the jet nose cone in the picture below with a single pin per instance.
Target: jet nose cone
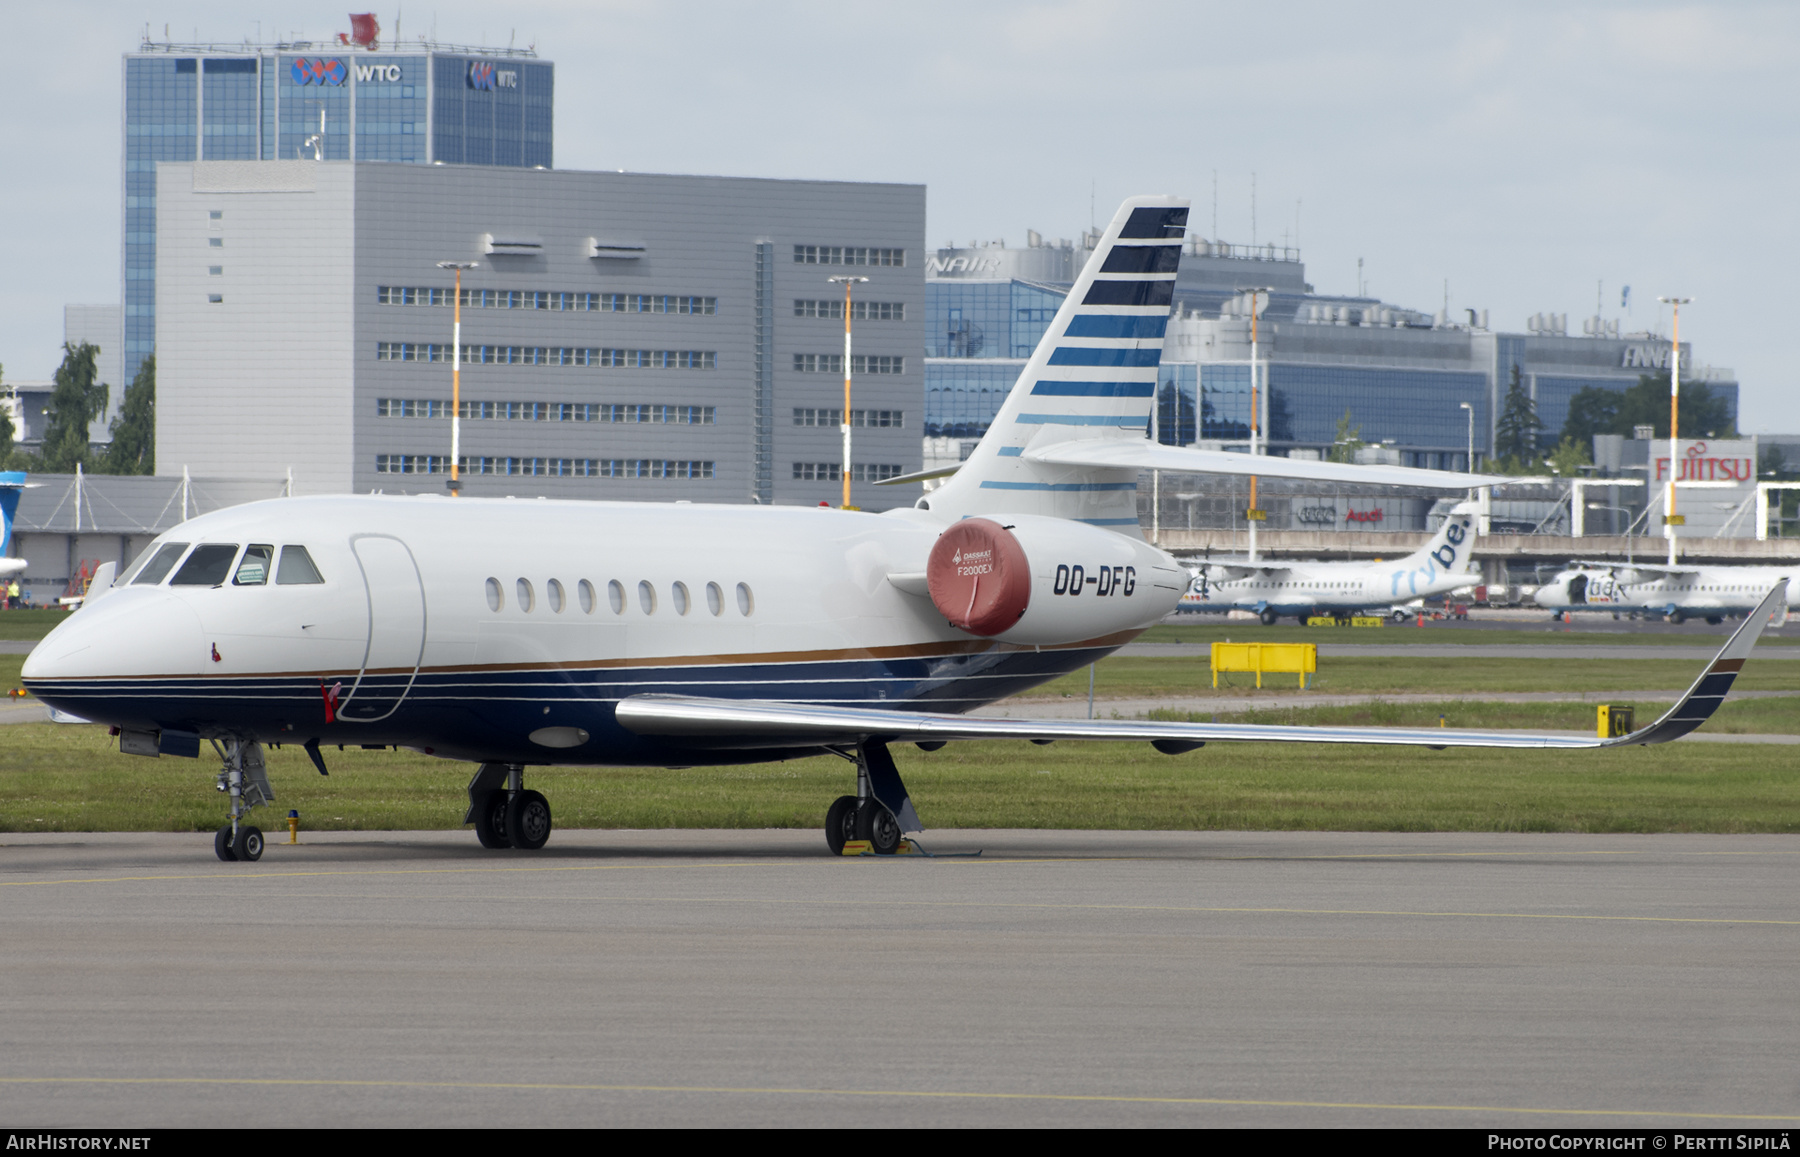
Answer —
(125, 634)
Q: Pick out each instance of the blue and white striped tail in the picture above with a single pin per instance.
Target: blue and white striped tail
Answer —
(1092, 377)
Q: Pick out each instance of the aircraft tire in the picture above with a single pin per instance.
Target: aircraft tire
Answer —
(222, 844)
(490, 820)
(878, 825)
(1715, 620)
(249, 846)
(840, 823)
(1269, 618)
(528, 820)
(1678, 618)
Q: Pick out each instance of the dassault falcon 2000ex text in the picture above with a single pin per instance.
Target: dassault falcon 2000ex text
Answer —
(514, 633)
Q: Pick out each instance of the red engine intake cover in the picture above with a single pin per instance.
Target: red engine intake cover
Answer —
(979, 577)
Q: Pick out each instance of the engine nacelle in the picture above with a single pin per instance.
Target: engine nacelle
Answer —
(1031, 579)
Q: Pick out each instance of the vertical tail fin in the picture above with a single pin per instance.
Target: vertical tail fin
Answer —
(1092, 376)
(12, 484)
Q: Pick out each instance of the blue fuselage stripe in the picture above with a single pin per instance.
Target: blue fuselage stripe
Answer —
(1084, 356)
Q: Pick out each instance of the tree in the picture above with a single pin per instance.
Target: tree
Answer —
(76, 401)
(133, 449)
(1596, 410)
(1569, 457)
(1516, 433)
(1348, 440)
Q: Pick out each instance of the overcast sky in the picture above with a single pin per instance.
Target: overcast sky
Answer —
(1526, 155)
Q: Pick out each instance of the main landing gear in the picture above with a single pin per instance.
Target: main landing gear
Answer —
(880, 811)
(245, 778)
(505, 815)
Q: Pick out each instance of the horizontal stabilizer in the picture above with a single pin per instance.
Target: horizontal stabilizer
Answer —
(1144, 454)
(751, 724)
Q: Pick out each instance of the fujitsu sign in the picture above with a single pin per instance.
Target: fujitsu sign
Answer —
(1722, 462)
(318, 70)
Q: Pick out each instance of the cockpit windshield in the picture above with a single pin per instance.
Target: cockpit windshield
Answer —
(207, 566)
(159, 566)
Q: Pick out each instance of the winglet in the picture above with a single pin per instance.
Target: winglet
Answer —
(1714, 683)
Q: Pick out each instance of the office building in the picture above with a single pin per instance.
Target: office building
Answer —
(624, 335)
(417, 104)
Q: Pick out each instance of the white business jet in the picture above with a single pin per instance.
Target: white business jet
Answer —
(1336, 588)
(1713, 593)
(670, 635)
(12, 484)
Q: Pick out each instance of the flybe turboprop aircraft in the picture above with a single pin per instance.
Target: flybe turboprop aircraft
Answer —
(1326, 588)
(670, 635)
(1678, 592)
(12, 484)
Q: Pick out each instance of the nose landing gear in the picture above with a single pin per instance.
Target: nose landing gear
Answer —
(246, 779)
(505, 815)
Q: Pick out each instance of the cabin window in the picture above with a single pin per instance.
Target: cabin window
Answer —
(494, 596)
(296, 568)
(527, 600)
(715, 598)
(746, 600)
(207, 566)
(553, 592)
(160, 566)
(615, 595)
(682, 602)
(584, 591)
(253, 568)
(647, 598)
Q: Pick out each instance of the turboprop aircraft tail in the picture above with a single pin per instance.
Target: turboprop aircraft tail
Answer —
(12, 484)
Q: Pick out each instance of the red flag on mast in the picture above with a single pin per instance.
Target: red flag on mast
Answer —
(363, 31)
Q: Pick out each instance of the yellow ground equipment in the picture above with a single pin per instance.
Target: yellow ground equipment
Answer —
(1615, 720)
(1300, 659)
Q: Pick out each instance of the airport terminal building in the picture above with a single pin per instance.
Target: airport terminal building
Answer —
(624, 335)
(1403, 376)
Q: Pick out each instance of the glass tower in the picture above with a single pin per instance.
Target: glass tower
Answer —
(464, 106)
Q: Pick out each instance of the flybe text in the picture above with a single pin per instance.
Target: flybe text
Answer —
(1106, 580)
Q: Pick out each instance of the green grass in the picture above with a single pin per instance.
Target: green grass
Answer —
(1130, 676)
(34, 624)
(70, 779)
(1543, 632)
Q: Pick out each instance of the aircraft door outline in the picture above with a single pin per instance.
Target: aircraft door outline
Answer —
(391, 583)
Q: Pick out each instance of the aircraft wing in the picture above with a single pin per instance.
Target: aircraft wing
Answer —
(749, 724)
(1142, 454)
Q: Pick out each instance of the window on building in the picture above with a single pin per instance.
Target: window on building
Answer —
(859, 310)
(215, 270)
(847, 255)
(859, 364)
(216, 242)
(215, 298)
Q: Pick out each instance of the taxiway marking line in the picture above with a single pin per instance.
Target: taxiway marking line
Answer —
(924, 1094)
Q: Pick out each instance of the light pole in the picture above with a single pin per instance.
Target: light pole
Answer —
(455, 483)
(1254, 515)
(848, 281)
(1671, 519)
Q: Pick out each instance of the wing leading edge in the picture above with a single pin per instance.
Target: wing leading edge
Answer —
(740, 724)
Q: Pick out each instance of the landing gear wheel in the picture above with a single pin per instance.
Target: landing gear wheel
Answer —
(490, 820)
(1678, 618)
(1269, 617)
(249, 844)
(840, 823)
(878, 825)
(1715, 620)
(528, 820)
(222, 844)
